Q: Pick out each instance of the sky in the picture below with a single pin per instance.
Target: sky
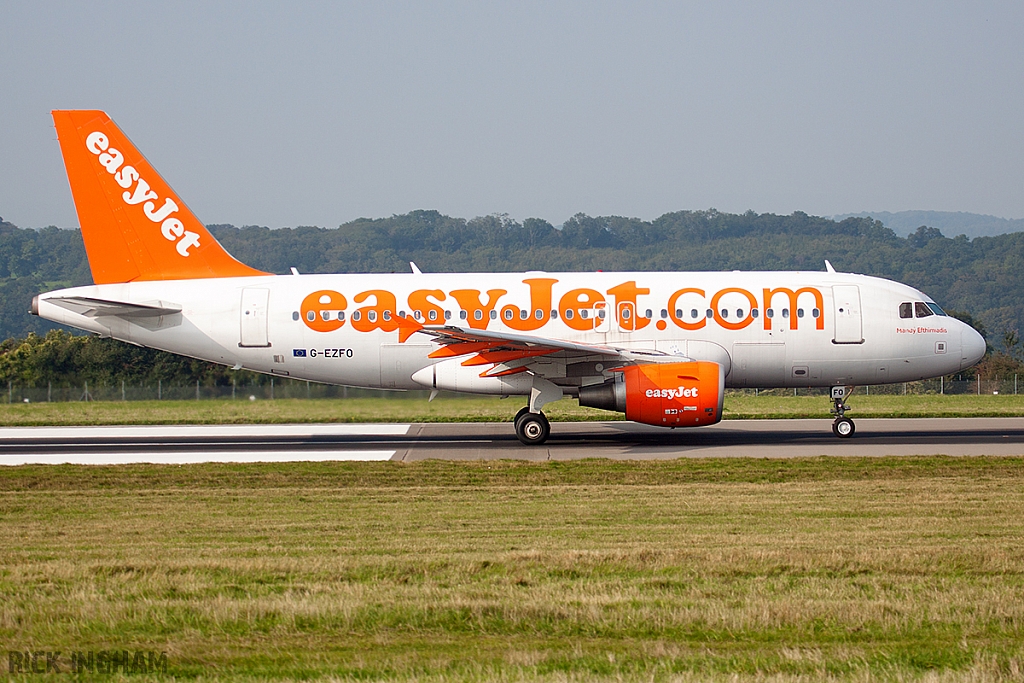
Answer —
(306, 113)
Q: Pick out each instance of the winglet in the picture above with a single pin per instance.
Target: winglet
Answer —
(133, 224)
(828, 267)
(415, 269)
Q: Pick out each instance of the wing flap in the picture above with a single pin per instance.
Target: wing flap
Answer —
(498, 347)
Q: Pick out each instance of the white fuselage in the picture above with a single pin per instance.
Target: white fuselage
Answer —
(818, 329)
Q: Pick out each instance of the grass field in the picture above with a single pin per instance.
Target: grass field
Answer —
(732, 570)
(473, 409)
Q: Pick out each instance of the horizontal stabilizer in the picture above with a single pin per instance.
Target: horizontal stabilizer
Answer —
(95, 308)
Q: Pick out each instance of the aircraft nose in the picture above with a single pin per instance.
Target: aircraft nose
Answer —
(972, 346)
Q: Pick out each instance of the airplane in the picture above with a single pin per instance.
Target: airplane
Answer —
(661, 347)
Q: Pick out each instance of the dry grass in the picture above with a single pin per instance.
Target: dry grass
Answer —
(748, 570)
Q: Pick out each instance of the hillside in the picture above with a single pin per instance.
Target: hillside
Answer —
(981, 276)
(951, 223)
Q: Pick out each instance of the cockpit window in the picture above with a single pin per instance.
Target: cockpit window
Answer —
(935, 308)
(921, 309)
(906, 310)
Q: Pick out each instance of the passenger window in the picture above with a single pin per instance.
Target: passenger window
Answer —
(770, 313)
(739, 313)
(584, 313)
(753, 313)
(386, 315)
(494, 314)
(356, 315)
(664, 313)
(710, 313)
(799, 312)
(693, 313)
(462, 314)
(508, 314)
(725, 313)
(906, 310)
(922, 310)
(647, 314)
(447, 315)
(625, 314)
(554, 314)
(478, 314)
(524, 314)
(568, 314)
(815, 313)
(538, 314)
(785, 312)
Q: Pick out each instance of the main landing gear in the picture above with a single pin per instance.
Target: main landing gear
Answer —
(532, 428)
(843, 426)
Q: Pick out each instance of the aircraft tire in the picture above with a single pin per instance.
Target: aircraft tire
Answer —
(519, 416)
(843, 427)
(533, 429)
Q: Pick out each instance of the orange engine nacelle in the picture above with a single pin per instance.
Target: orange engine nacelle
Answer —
(664, 394)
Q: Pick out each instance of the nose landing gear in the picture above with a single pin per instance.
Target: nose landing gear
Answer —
(843, 426)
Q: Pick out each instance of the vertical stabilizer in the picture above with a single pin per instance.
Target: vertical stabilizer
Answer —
(134, 226)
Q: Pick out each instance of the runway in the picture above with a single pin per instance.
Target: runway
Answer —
(490, 441)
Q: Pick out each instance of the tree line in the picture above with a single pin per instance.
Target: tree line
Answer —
(980, 276)
(62, 359)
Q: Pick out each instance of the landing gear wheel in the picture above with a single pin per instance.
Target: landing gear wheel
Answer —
(519, 415)
(532, 428)
(843, 427)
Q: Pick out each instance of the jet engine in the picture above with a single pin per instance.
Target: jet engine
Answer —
(663, 394)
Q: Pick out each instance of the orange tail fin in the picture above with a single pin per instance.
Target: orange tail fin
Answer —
(133, 224)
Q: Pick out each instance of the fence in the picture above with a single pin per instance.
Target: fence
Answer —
(977, 386)
(279, 388)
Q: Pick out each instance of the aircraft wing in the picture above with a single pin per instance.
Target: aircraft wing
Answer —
(509, 349)
(94, 308)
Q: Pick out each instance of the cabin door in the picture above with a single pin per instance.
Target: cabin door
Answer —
(253, 323)
(846, 305)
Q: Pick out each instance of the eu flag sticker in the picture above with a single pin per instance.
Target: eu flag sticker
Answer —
(299, 353)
